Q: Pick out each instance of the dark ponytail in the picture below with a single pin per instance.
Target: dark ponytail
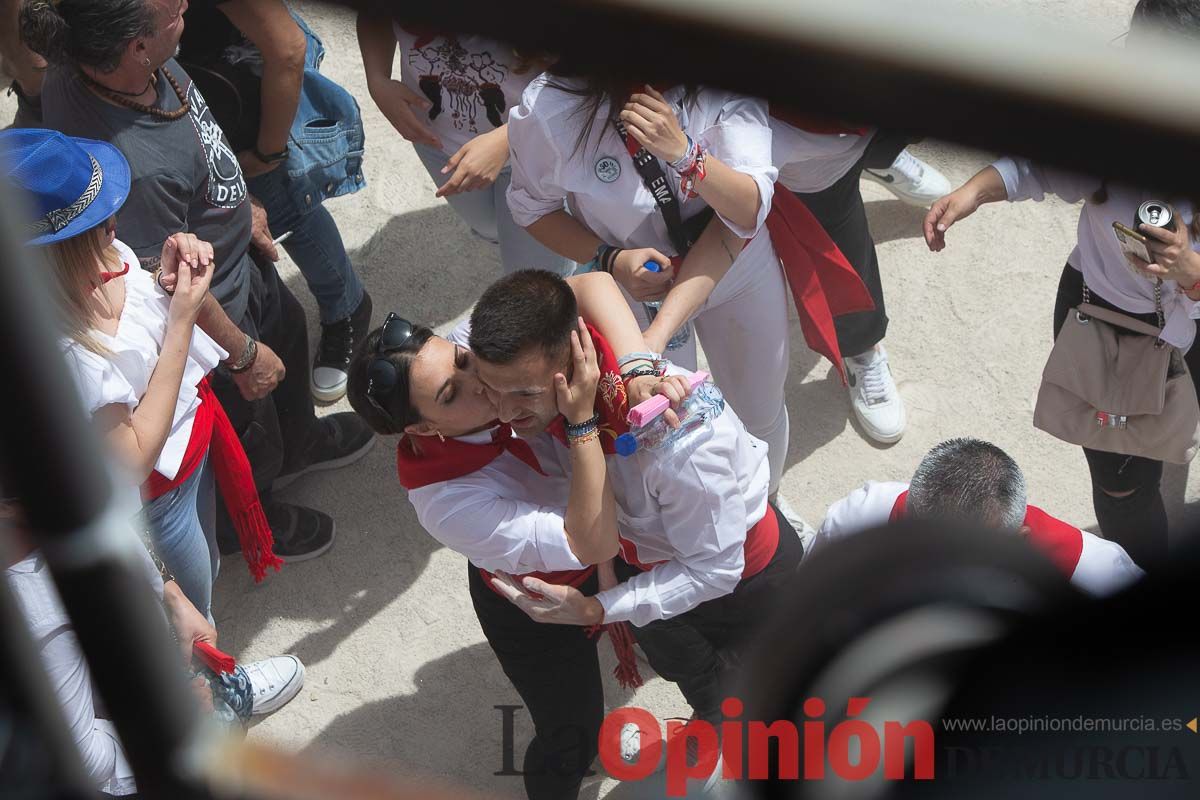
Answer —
(88, 33)
(398, 404)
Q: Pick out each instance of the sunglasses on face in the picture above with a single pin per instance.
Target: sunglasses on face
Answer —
(382, 375)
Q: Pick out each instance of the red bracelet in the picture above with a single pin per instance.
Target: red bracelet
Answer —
(693, 175)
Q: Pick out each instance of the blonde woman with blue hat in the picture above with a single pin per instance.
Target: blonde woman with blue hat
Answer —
(140, 362)
(140, 365)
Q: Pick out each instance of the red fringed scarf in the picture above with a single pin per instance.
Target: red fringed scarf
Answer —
(1059, 541)
(435, 461)
(823, 283)
(212, 432)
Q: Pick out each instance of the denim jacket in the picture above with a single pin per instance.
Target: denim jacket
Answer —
(325, 147)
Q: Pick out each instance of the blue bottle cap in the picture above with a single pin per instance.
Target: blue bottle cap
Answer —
(626, 444)
(652, 266)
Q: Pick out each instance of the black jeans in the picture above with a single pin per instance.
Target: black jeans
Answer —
(277, 430)
(1138, 521)
(556, 671)
(700, 649)
(841, 212)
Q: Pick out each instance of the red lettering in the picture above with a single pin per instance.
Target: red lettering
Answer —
(895, 737)
(731, 739)
(788, 739)
(678, 769)
(610, 744)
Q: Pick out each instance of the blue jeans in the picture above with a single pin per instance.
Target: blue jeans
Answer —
(315, 245)
(183, 529)
(486, 212)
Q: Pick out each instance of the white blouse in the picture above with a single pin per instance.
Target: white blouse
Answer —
(122, 374)
(1098, 254)
(597, 178)
(1103, 568)
(812, 162)
(474, 79)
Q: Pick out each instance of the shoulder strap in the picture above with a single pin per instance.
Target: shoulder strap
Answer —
(654, 179)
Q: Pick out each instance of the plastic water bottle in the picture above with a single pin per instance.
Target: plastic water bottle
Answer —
(650, 430)
(681, 336)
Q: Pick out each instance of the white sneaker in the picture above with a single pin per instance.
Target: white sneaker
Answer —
(806, 532)
(874, 396)
(275, 681)
(911, 179)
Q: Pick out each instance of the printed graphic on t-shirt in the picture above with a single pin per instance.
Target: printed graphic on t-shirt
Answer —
(460, 82)
(226, 186)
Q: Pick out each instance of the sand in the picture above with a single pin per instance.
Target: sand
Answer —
(398, 671)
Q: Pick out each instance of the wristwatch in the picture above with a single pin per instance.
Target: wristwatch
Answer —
(270, 158)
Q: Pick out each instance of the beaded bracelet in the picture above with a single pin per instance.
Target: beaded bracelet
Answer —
(640, 372)
(583, 427)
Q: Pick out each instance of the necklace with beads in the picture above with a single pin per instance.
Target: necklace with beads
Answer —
(123, 98)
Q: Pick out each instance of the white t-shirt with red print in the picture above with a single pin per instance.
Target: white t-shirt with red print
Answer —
(472, 81)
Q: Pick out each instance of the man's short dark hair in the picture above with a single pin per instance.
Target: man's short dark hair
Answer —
(968, 480)
(530, 308)
(86, 33)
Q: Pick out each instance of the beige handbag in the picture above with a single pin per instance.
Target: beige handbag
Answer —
(1112, 384)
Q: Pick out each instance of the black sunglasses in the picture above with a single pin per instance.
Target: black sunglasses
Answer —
(382, 375)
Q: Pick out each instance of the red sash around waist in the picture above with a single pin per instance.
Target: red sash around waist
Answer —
(762, 540)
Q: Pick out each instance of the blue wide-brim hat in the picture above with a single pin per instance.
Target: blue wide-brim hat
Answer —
(72, 184)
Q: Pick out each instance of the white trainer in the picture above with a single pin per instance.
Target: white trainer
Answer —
(874, 396)
(806, 532)
(911, 179)
(275, 682)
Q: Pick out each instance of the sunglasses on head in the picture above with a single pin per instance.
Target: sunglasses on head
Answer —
(382, 375)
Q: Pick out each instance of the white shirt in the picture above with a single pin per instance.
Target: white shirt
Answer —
(503, 516)
(62, 659)
(547, 167)
(1098, 254)
(477, 82)
(123, 374)
(1103, 568)
(812, 162)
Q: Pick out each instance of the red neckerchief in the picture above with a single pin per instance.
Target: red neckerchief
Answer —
(823, 283)
(440, 461)
(819, 125)
(106, 276)
(612, 404)
(1060, 542)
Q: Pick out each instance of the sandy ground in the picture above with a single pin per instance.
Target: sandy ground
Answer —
(398, 670)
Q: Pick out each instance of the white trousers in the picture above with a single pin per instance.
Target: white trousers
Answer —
(743, 327)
